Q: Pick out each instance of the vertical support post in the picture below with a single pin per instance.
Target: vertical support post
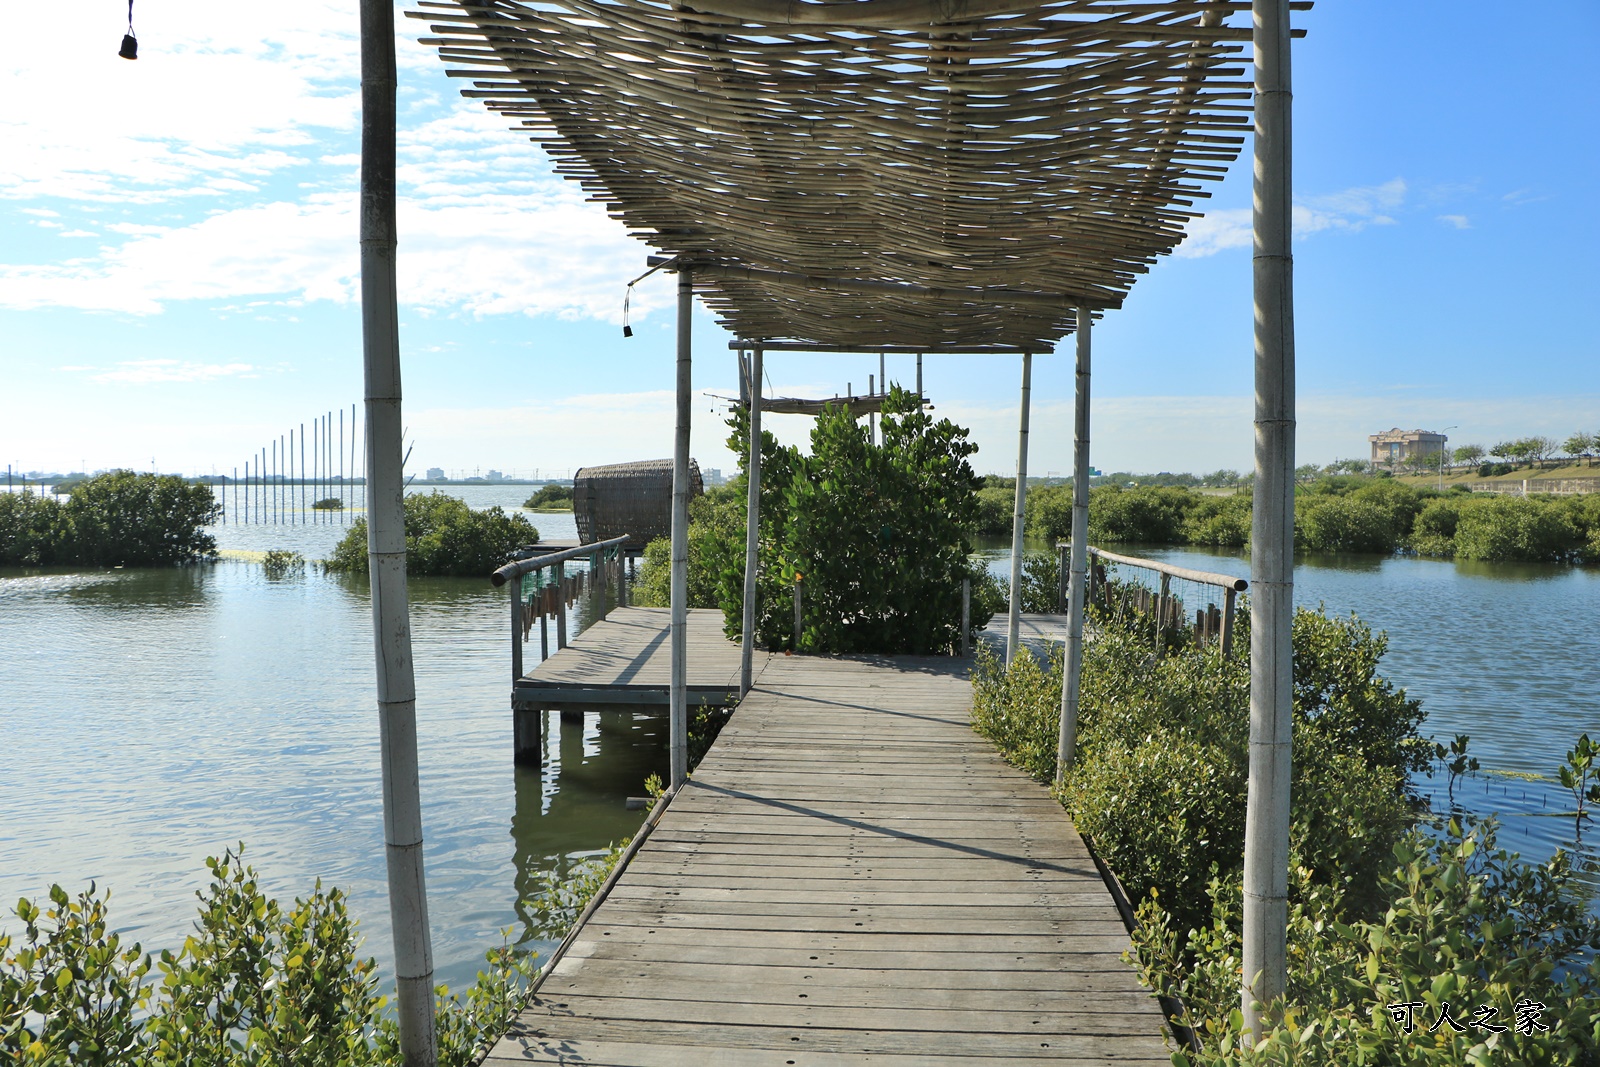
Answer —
(1163, 613)
(1266, 847)
(872, 416)
(1014, 613)
(561, 606)
(919, 381)
(622, 576)
(516, 628)
(1063, 571)
(544, 620)
(966, 617)
(678, 717)
(1077, 583)
(386, 542)
(752, 528)
(799, 614)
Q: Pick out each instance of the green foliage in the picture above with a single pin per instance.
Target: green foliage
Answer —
(256, 983)
(1170, 736)
(561, 896)
(552, 496)
(995, 506)
(1220, 522)
(1577, 777)
(282, 562)
(878, 532)
(1047, 514)
(1041, 582)
(1464, 924)
(716, 534)
(1503, 528)
(443, 536)
(1153, 514)
(115, 519)
(328, 503)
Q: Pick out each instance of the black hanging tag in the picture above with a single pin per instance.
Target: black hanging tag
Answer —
(130, 44)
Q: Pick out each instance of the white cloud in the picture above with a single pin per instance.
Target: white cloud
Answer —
(77, 233)
(1460, 222)
(145, 371)
(1351, 210)
(41, 212)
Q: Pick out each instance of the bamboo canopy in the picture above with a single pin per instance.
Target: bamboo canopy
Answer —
(871, 172)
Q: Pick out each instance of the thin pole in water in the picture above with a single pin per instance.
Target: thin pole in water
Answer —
(386, 543)
(1020, 499)
(302, 472)
(344, 506)
(1266, 835)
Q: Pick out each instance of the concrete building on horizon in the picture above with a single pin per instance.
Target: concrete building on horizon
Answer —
(1397, 447)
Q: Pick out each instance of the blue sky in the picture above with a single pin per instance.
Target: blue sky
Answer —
(178, 259)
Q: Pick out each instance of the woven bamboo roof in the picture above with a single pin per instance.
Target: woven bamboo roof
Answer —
(866, 172)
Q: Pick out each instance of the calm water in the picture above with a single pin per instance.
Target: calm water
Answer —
(1507, 653)
(152, 718)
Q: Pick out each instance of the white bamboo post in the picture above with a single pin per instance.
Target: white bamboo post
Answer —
(752, 534)
(919, 381)
(1077, 583)
(678, 717)
(872, 416)
(1014, 613)
(1266, 846)
(386, 542)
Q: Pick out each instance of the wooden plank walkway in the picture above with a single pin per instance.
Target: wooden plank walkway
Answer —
(626, 659)
(852, 876)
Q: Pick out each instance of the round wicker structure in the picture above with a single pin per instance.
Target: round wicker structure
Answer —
(628, 498)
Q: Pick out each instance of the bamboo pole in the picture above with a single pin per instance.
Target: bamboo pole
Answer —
(386, 542)
(678, 717)
(752, 534)
(1077, 580)
(1266, 848)
(302, 472)
(1014, 613)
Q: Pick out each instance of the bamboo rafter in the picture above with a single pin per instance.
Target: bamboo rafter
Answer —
(868, 172)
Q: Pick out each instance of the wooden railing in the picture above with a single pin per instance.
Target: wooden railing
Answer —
(1167, 612)
(549, 595)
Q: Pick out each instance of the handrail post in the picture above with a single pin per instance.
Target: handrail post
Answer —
(1227, 622)
(1077, 588)
(561, 605)
(752, 531)
(516, 628)
(799, 614)
(1063, 572)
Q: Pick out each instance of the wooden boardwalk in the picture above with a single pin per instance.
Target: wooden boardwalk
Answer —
(626, 659)
(852, 876)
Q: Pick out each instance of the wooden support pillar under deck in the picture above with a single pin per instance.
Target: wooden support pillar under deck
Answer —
(1078, 561)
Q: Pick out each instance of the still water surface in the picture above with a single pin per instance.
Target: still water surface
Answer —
(152, 718)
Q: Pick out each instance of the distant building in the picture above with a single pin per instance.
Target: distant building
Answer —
(714, 476)
(496, 476)
(435, 474)
(1398, 447)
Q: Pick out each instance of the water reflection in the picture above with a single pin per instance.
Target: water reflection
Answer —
(574, 804)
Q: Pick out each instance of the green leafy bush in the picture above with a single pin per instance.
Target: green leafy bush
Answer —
(443, 536)
(115, 519)
(1171, 735)
(878, 531)
(995, 506)
(552, 496)
(716, 533)
(282, 562)
(256, 983)
(1517, 528)
(1463, 925)
(1220, 522)
(1152, 514)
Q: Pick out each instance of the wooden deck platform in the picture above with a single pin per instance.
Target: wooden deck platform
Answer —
(852, 876)
(625, 659)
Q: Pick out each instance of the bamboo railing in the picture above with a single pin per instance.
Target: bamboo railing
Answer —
(1211, 624)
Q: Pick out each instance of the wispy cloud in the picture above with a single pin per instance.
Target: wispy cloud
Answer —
(1351, 210)
(1460, 222)
(146, 371)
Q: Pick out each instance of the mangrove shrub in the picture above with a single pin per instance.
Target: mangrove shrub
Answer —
(443, 536)
(119, 518)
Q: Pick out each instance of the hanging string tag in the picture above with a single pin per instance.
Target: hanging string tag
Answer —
(130, 44)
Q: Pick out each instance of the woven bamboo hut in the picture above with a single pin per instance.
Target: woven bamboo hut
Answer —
(628, 498)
